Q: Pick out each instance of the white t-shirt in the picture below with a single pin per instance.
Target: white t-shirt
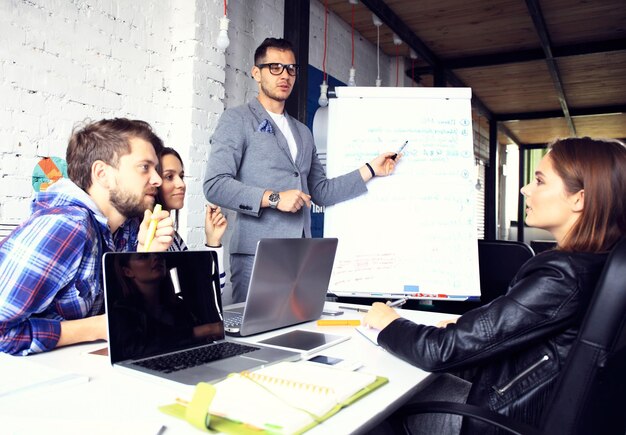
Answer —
(281, 122)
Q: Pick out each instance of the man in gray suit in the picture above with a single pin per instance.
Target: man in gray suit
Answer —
(263, 164)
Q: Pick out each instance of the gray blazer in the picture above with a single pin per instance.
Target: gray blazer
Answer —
(249, 155)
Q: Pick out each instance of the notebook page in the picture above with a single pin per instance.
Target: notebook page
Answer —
(287, 396)
(370, 333)
(21, 375)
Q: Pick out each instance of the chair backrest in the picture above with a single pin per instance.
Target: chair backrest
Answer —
(542, 245)
(590, 396)
(498, 262)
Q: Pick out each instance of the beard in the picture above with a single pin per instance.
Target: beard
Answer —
(127, 204)
(274, 95)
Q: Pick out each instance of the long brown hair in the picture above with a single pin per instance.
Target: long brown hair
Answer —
(599, 168)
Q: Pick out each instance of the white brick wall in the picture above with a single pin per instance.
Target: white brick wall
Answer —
(62, 61)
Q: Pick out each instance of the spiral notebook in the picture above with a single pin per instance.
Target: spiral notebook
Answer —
(285, 398)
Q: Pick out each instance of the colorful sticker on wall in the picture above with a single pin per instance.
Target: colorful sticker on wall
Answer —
(47, 171)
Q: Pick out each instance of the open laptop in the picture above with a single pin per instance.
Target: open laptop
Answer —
(165, 318)
(288, 285)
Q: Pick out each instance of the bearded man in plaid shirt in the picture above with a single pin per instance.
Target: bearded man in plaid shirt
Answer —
(51, 290)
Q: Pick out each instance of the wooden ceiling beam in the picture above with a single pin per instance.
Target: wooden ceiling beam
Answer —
(534, 54)
(395, 23)
(387, 16)
(587, 111)
(540, 26)
(508, 133)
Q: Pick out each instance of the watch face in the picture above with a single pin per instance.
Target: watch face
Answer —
(274, 197)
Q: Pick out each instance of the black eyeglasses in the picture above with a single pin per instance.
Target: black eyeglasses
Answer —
(277, 69)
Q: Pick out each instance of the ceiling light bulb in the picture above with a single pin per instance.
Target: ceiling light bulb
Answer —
(352, 79)
(396, 40)
(323, 100)
(413, 54)
(222, 38)
(376, 21)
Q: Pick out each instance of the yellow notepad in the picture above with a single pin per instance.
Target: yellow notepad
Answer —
(285, 398)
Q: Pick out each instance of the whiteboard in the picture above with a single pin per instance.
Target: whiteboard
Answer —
(414, 233)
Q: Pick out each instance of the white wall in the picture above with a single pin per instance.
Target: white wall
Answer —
(64, 61)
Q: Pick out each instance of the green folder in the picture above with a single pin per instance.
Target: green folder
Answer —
(196, 411)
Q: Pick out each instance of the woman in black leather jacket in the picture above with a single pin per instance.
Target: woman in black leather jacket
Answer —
(515, 346)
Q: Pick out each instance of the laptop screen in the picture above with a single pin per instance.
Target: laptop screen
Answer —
(160, 302)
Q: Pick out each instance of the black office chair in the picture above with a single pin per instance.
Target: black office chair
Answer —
(542, 245)
(590, 394)
(498, 262)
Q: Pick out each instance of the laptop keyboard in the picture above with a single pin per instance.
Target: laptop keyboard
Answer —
(195, 357)
(233, 320)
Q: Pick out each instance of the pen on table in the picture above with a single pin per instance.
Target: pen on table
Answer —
(399, 151)
(161, 430)
(152, 228)
(362, 310)
(332, 322)
(396, 303)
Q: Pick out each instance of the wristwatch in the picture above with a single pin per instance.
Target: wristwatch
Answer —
(274, 199)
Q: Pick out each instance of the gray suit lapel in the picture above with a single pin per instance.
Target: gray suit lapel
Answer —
(260, 113)
(296, 135)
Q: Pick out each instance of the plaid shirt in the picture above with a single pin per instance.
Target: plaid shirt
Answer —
(50, 268)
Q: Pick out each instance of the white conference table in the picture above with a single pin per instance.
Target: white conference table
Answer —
(114, 402)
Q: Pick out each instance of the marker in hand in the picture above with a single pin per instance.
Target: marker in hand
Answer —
(399, 151)
(152, 228)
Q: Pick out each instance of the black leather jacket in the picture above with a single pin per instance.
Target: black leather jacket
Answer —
(516, 345)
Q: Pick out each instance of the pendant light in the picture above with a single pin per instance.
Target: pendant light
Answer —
(323, 99)
(352, 79)
(222, 38)
(377, 23)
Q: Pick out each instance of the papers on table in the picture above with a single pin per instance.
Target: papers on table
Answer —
(370, 333)
(19, 375)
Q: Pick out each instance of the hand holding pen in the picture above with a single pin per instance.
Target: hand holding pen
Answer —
(381, 166)
(399, 151)
(215, 225)
(381, 315)
(391, 304)
(156, 230)
(396, 303)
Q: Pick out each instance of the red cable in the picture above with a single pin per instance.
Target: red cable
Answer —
(325, 32)
(353, 35)
(224, 7)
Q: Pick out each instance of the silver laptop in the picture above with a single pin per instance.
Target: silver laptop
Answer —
(288, 285)
(165, 318)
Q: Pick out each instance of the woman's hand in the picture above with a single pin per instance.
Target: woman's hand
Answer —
(379, 316)
(215, 225)
(446, 322)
